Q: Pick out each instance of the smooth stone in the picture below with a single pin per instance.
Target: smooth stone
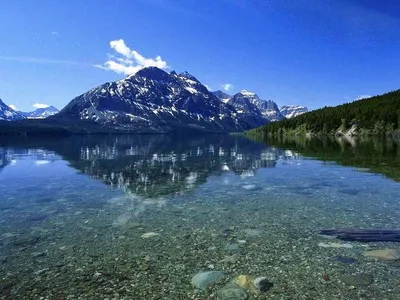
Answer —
(249, 187)
(359, 279)
(384, 254)
(232, 247)
(204, 279)
(335, 245)
(149, 235)
(232, 292)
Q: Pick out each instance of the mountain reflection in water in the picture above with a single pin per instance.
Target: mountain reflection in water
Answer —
(153, 166)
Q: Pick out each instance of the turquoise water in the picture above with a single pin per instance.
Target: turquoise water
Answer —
(137, 217)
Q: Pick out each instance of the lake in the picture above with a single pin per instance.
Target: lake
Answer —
(137, 217)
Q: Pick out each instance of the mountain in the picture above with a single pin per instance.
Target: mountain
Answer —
(291, 111)
(378, 115)
(8, 114)
(224, 97)
(247, 103)
(41, 113)
(153, 100)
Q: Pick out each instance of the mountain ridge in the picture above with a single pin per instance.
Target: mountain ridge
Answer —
(157, 101)
(41, 113)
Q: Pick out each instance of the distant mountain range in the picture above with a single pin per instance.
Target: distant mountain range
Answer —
(155, 101)
(247, 102)
(40, 113)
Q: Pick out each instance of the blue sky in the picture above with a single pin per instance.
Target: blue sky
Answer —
(305, 52)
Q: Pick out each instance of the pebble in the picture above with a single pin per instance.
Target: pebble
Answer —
(232, 247)
(249, 187)
(149, 235)
(335, 245)
(203, 279)
(384, 254)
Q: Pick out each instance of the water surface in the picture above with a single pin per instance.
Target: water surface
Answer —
(73, 213)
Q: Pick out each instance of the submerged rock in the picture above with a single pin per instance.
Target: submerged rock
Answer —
(254, 285)
(149, 235)
(246, 282)
(203, 279)
(384, 254)
(232, 247)
(358, 279)
(249, 187)
(263, 284)
(232, 292)
(335, 245)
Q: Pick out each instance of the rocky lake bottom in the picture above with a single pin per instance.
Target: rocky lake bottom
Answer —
(237, 223)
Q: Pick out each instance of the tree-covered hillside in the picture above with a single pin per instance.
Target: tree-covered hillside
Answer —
(377, 115)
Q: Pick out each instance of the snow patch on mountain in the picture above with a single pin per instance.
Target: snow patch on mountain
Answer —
(8, 114)
(41, 113)
(291, 111)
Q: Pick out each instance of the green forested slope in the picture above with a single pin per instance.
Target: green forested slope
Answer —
(372, 116)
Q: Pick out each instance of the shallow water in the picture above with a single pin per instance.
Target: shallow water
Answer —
(73, 213)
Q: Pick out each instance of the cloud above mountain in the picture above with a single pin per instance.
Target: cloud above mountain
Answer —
(12, 106)
(40, 105)
(127, 61)
(227, 86)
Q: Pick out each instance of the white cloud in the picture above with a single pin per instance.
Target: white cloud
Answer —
(130, 61)
(56, 33)
(40, 105)
(208, 88)
(13, 107)
(363, 97)
(227, 86)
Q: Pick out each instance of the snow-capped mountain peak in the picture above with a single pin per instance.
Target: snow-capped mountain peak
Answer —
(41, 113)
(291, 111)
(154, 100)
(248, 94)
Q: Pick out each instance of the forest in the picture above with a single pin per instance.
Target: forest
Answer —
(378, 115)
